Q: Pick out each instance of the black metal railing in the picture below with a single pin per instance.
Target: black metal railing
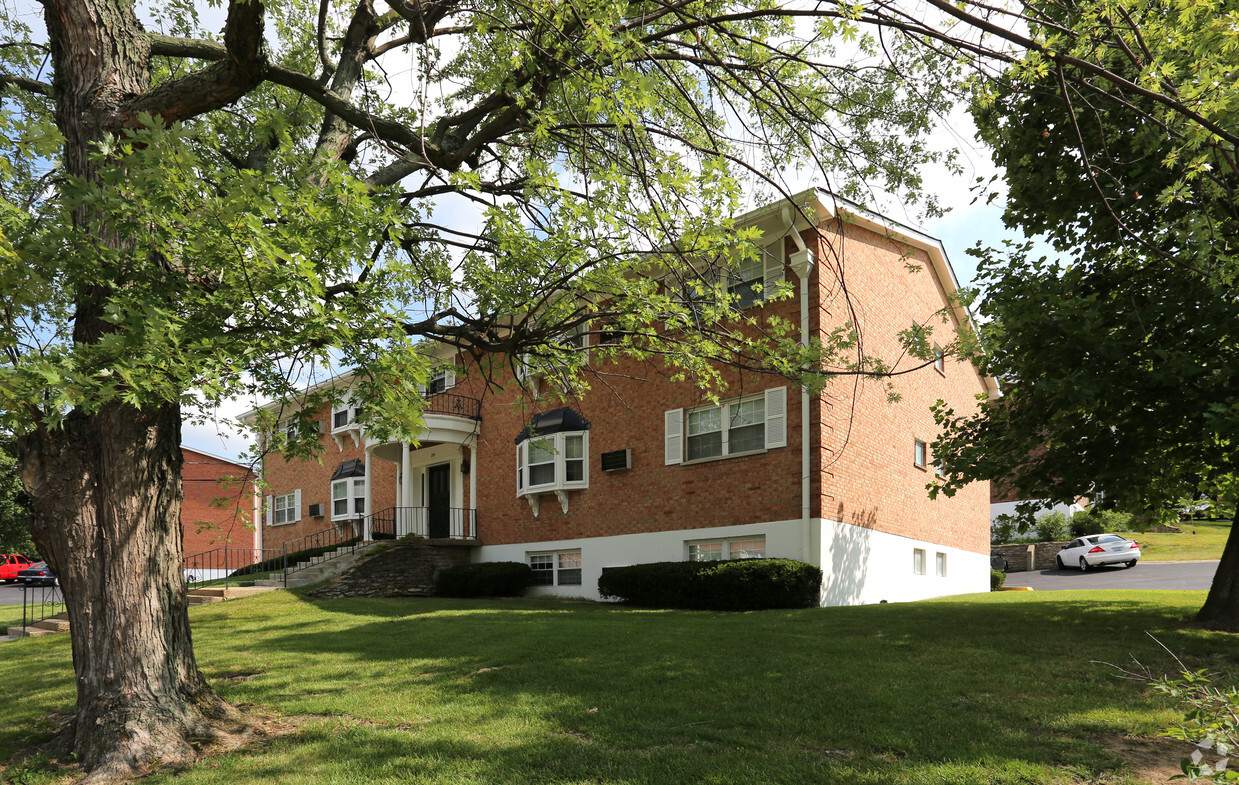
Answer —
(231, 566)
(318, 547)
(454, 405)
(41, 602)
(452, 523)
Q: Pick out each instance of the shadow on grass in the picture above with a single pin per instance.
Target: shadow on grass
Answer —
(959, 688)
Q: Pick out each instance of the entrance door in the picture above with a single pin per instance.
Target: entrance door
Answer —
(439, 501)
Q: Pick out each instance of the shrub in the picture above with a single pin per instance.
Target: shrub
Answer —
(1003, 530)
(1094, 521)
(1053, 526)
(487, 579)
(996, 579)
(743, 584)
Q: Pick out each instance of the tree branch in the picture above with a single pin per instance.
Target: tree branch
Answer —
(239, 71)
(29, 85)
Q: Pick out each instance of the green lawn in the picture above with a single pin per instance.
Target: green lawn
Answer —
(1199, 540)
(996, 688)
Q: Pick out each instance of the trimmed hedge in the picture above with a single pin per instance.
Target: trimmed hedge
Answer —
(996, 579)
(738, 585)
(487, 579)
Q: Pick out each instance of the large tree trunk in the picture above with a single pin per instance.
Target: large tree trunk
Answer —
(106, 500)
(1221, 609)
(104, 483)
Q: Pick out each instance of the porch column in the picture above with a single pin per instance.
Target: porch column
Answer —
(406, 484)
(366, 532)
(473, 481)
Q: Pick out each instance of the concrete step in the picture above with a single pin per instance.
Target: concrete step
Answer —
(53, 625)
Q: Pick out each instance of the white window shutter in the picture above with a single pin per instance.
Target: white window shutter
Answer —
(772, 271)
(297, 505)
(776, 417)
(449, 380)
(674, 435)
(270, 507)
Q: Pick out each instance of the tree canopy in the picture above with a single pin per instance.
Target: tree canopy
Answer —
(195, 215)
(1115, 136)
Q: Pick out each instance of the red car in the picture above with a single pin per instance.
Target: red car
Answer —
(11, 564)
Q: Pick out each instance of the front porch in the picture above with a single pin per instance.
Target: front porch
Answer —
(432, 523)
(436, 477)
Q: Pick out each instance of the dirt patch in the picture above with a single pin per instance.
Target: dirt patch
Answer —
(1153, 760)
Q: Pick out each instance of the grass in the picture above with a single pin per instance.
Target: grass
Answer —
(1200, 540)
(997, 688)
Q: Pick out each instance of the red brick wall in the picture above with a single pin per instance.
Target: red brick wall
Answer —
(218, 505)
(313, 478)
(866, 469)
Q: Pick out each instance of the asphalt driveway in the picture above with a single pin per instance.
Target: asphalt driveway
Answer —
(1145, 575)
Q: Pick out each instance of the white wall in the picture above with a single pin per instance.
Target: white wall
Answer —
(859, 565)
(1008, 508)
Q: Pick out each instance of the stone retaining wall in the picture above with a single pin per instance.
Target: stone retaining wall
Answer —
(1025, 556)
(399, 570)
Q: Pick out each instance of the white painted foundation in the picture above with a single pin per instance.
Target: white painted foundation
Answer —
(859, 566)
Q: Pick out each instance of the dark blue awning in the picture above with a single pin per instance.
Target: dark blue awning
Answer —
(554, 421)
(353, 467)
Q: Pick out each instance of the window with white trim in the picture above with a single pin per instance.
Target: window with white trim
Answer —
(348, 497)
(440, 381)
(919, 453)
(345, 415)
(940, 564)
(560, 568)
(284, 508)
(939, 360)
(742, 425)
(764, 270)
(554, 462)
(722, 550)
(918, 561)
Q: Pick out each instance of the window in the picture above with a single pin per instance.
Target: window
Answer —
(918, 561)
(918, 453)
(340, 418)
(289, 428)
(348, 497)
(284, 508)
(940, 564)
(939, 360)
(345, 415)
(765, 270)
(720, 550)
(553, 462)
(441, 380)
(744, 425)
(556, 569)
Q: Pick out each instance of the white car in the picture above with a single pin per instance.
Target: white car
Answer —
(1098, 549)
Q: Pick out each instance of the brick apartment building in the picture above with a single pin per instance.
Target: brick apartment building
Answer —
(644, 469)
(220, 504)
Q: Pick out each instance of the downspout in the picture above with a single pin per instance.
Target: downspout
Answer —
(802, 260)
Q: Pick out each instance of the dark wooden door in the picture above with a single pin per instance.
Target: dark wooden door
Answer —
(439, 503)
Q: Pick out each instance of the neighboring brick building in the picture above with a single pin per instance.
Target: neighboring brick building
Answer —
(642, 469)
(220, 505)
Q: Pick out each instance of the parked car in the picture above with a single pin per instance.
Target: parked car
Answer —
(1095, 550)
(11, 564)
(37, 574)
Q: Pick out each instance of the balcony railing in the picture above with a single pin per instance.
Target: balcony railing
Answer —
(453, 405)
(451, 523)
